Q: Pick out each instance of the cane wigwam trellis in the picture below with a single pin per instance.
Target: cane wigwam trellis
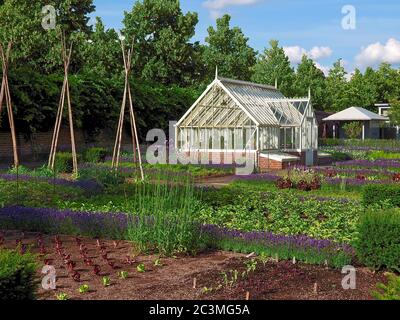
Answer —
(127, 96)
(65, 95)
(5, 93)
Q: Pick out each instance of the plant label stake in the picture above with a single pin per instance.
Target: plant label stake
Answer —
(315, 288)
(250, 255)
(294, 260)
(194, 283)
(247, 296)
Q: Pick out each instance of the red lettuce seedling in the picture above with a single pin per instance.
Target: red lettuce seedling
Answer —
(71, 266)
(96, 270)
(88, 262)
(76, 276)
(78, 241)
(111, 264)
(129, 261)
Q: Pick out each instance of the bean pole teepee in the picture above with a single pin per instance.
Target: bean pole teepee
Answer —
(65, 95)
(127, 96)
(5, 92)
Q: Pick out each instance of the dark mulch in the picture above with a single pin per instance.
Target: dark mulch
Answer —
(175, 278)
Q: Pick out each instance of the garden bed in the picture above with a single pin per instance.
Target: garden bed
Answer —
(172, 278)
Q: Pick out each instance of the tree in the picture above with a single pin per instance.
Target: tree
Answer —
(361, 92)
(102, 52)
(273, 65)
(394, 112)
(162, 33)
(73, 15)
(21, 21)
(336, 86)
(309, 76)
(388, 83)
(228, 50)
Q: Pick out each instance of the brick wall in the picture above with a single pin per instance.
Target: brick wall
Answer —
(38, 146)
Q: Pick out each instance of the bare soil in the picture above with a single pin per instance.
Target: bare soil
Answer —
(174, 279)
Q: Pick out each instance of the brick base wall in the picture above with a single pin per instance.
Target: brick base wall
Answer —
(264, 164)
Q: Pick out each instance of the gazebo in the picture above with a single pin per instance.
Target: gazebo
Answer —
(370, 122)
(235, 118)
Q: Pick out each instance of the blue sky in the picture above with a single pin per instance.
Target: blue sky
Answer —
(313, 27)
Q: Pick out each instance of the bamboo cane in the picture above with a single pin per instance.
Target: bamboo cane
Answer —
(127, 57)
(57, 127)
(2, 90)
(65, 95)
(5, 93)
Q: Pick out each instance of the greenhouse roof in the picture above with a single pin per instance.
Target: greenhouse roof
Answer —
(264, 105)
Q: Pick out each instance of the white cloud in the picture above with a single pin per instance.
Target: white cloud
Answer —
(317, 53)
(295, 53)
(216, 6)
(376, 53)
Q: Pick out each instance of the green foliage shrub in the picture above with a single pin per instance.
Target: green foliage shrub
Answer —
(17, 276)
(63, 162)
(43, 171)
(390, 291)
(95, 155)
(375, 155)
(387, 195)
(105, 176)
(338, 156)
(35, 194)
(369, 143)
(353, 130)
(22, 170)
(378, 243)
(283, 213)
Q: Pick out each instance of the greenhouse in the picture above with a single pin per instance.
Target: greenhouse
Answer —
(232, 118)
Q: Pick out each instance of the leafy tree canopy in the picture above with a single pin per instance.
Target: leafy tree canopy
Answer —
(336, 86)
(308, 76)
(162, 33)
(273, 65)
(228, 49)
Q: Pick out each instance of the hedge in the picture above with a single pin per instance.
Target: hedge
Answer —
(381, 195)
(64, 162)
(17, 276)
(378, 243)
(95, 155)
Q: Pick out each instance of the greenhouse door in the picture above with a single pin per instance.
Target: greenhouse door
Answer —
(309, 143)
